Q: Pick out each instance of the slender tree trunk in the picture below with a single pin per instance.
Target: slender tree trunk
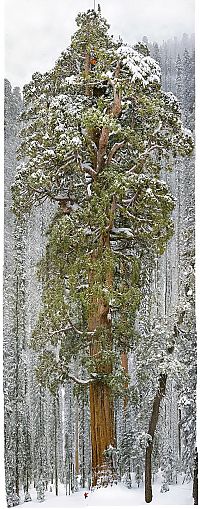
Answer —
(55, 446)
(77, 444)
(72, 476)
(17, 390)
(151, 431)
(179, 433)
(195, 479)
(69, 475)
(26, 486)
(66, 479)
(83, 444)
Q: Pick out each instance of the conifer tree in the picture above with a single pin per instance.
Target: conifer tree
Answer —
(188, 87)
(15, 404)
(179, 80)
(97, 129)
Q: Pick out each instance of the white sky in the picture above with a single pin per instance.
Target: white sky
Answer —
(36, 31)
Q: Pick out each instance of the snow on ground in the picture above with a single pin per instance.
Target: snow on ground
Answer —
(115, 496)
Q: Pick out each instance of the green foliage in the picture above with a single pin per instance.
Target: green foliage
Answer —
(103, 168)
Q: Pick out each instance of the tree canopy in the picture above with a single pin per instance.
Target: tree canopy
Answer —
(95, 139)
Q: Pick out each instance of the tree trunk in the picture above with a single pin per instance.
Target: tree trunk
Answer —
(55, 445)
(179, 433)
(151, 431)
(77, 444)
(195, 479)
(148, 474)
(83, 444)
(101, 402)
(102, 425)
(69, 475)
(17, 391)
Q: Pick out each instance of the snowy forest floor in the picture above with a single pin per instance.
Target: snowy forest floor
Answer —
(120, 495)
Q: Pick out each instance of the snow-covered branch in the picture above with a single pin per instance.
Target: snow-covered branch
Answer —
(59, 331)
(122, 233)
(81, 333)
(79, 381)
(70, 326)
(86, 168)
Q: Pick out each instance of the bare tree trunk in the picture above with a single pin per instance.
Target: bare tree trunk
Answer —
(70, 475)
(55, 445)
(195, 479)
(151, 431)
(179, 433)
(17, 391)
(83, 444)
(77, 443)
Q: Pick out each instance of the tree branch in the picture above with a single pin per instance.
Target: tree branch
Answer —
(113, 151)
(72, 326)
(87, 169)
(103, 142)
(81, 333)
(79, 381)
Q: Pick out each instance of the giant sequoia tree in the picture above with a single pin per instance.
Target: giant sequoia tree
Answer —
(97, 131)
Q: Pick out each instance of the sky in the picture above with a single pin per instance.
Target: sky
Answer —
(36, 31)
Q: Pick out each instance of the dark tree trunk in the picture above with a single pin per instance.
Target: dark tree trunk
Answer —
(55, 444)
(179, 434)
(151, 431)
(83, 445)
(195, 479)
(17, 391)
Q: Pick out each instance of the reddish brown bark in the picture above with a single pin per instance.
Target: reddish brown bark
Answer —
(102, 425)
(103, 142)
(101, 401)
(124, 360)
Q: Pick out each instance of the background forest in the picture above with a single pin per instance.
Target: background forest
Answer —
(47, 417)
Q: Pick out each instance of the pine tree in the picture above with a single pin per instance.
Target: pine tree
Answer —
(179, 80)
(94, 142)
(15, 417)
(188, 87)
(156, 53)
